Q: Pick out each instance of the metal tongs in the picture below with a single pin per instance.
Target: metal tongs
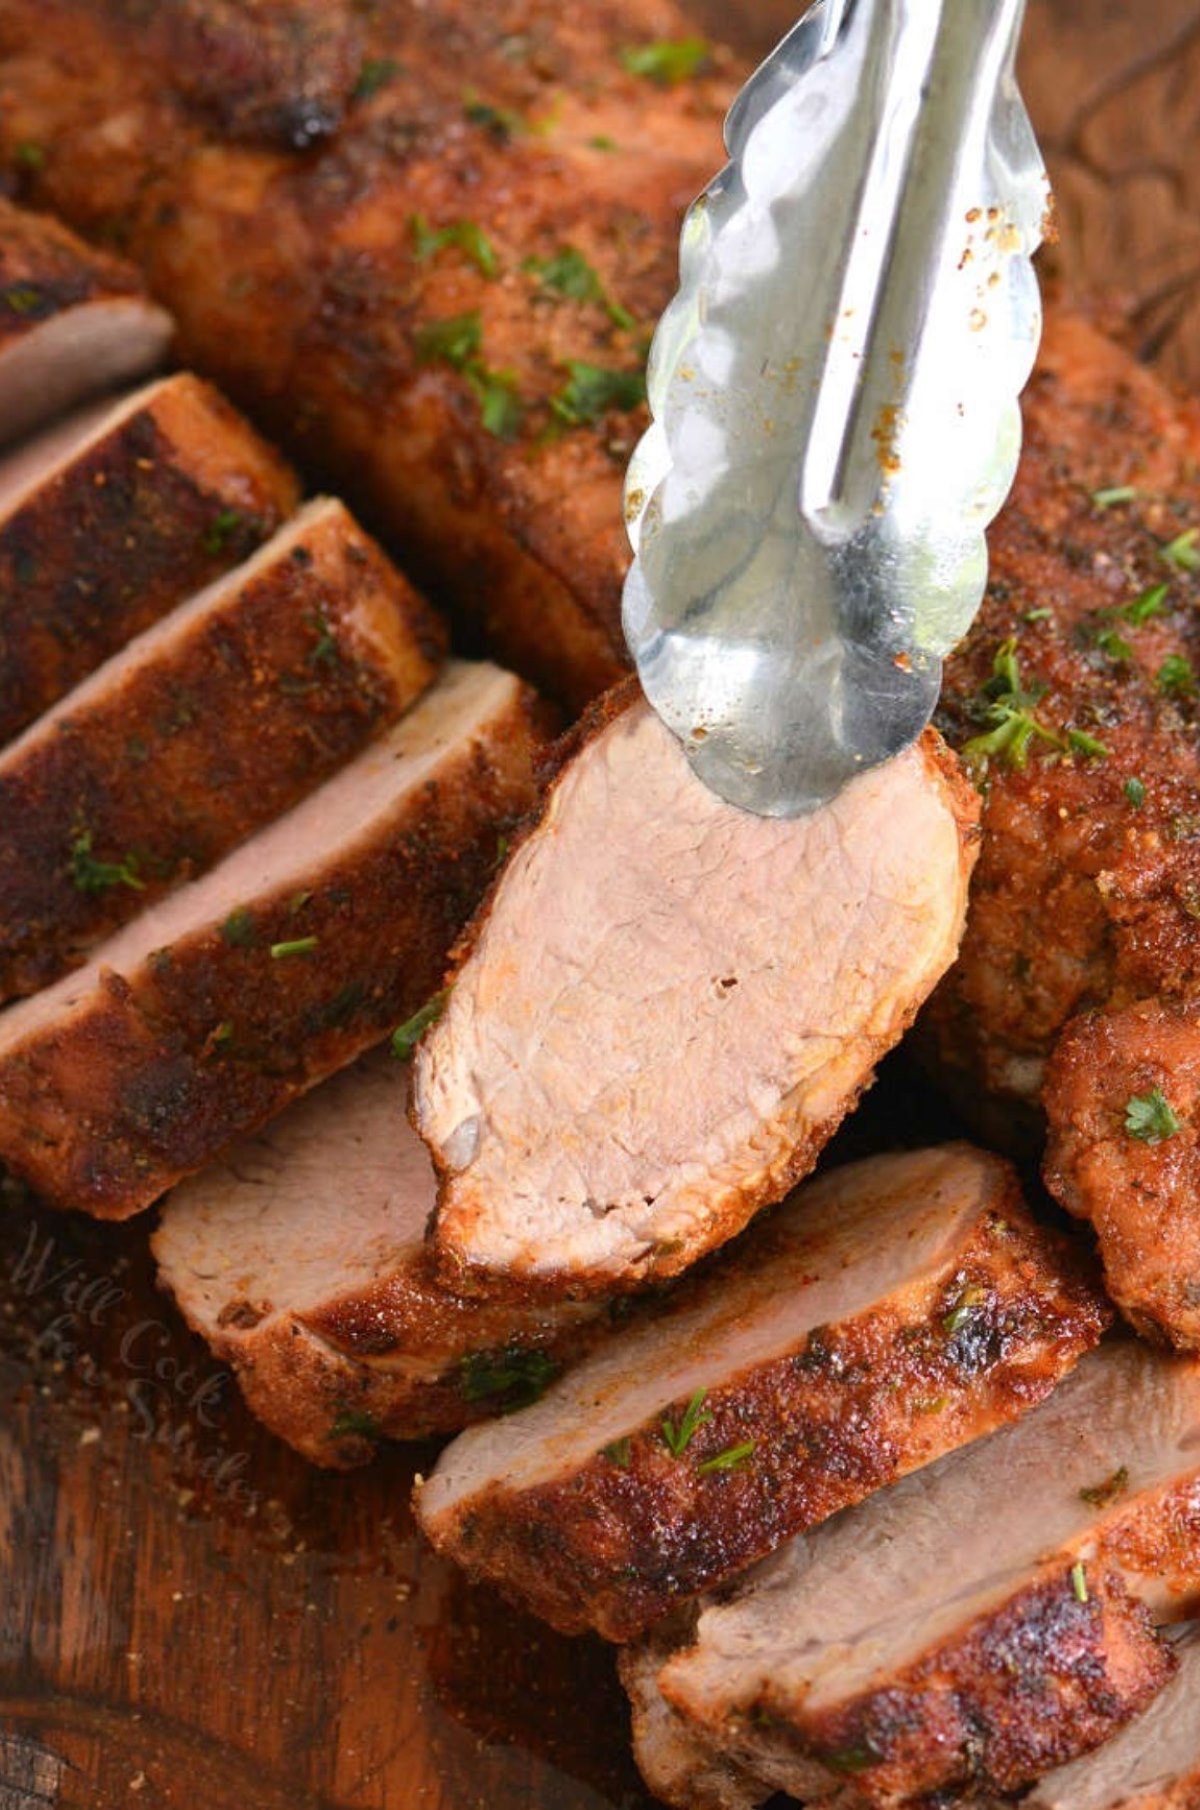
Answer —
(834, 390)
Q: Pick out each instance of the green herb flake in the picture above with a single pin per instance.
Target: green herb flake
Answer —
(602, 142)
(679, 1436)
(1182, 552)
(407, 1037)
(500, 407)
(454, 342)
(220, 531)
(521, 1376)
(325, 650)
(299, 945)
(1135, 792)
(1175, 677)
(375, 74)
(21, 298)
(1101, 1495)
(667, 62)
(847, 1760)
(352, 1423)
(731, 1459)
(1081, 743)
(1150, 1118)
(464, 235)
(1116, 493)
(1114, 647)
(591, 391)
(1148, 604)
(964, 1307)
(499, 122)
(1079, 1581)
(238, 929)
(1039, 615)
(30, 156)
(568, 273)
(619, 1453)
(1007, 711)
(88, 874)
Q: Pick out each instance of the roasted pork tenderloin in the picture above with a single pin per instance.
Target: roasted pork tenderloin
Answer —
(301, 1257)
(669, 1005)
(1153, 1764)
(442, 308)
(111, 518)
(678, 1762)
(893, 1310)
(236, 993)
(977, 1624)
(205, 728)
(73, 321)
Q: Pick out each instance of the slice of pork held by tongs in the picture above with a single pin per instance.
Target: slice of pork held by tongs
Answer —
(670, 1005)
(892, 1310)
(978, 1623)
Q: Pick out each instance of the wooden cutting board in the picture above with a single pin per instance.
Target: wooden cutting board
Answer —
(189, 1615)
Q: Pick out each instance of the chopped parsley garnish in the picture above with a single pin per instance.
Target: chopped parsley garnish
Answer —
(220, 531)
(1149, 604)
(1182, 552)
(619, 1453)
(1008, 707)
(1113, 646)
(21, 298)
(1175, 677)
(500, 122)
(1079, 1581)
(1100, 1495)
(325, 650)
(407, 1037)
(465, 235)
(568, 273)
(88, 874)
(522, 1376)
(238, 929)
(730, 1460)
(375, 74)
(454, 342)
(299, 945)
(458, 343)
(851, 1759)
(1116, 493)
(1080, 742)
(591, 391)
(679, 1437)
(352, 1423)
(1150, 1118)
(30, 156)
(667, 62)
(964, 1307)
(602, 142)
(500, 407)
(1135, 792)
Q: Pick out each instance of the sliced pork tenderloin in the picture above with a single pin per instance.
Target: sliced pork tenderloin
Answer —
(235, 994)
(1122, 1098)
(301, 1257)
(112, 518)
(892, 1310)
(1153, 1764)
(210, 724)
(669, 1005)
(978, 1623)
(73, 322)
(680, 1765)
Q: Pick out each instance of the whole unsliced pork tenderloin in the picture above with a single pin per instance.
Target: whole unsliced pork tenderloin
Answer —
(891, 1311)
(301, 1257)
(978, 1623)
(73, 321)
(235, 994)
(669, 1005)
(112, 518)
(205, 728)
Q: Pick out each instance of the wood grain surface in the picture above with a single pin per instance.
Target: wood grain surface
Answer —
(191, 1617)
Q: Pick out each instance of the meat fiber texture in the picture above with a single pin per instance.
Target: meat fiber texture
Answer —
(441, 301)
(226, 1000)
(301, 1257)
(73, 321)
(114, 516)
(669, 1005)
(893, 1310)
(206, 727)
(979, 1623)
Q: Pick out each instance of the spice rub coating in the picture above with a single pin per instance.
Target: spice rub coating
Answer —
(149, 500)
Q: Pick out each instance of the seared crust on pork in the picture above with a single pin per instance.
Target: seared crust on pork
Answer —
(208, 726)
(311, 288)
(235, 994)
(894, 1310)
(110, 522)
(73, 320)
(668, 1006)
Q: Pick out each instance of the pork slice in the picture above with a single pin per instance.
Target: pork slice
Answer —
(110, 519)
(892, 1310)
(1122, 1097)
(671, 1004)
(301, 1257)
(73, 322)
(679, 1764)
(980, 1622)
(234, 994)
(210, 724)
(1153, 1764)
